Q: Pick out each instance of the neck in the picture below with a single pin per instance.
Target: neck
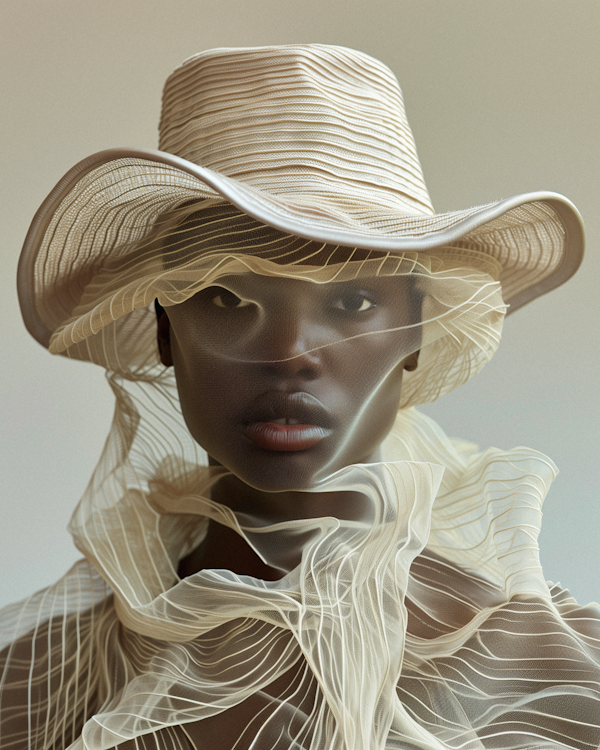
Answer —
(225, 548)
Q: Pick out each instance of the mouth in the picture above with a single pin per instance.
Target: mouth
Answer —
(282, 421)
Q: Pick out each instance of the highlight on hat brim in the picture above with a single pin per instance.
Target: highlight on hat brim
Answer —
(521, 221)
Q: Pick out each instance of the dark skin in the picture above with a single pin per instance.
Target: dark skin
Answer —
(293, 355)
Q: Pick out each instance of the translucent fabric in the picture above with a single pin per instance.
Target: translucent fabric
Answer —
(265, 294)
(409, 612)
(454, 314)
(426, 623)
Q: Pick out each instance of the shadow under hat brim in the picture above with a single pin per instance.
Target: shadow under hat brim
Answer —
(313, 220)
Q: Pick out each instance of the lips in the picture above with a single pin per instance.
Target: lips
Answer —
(280, 421)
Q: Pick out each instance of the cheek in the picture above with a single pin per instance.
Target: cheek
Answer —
(382, 407)
(371, 369)
(372, 401)
(206, 388)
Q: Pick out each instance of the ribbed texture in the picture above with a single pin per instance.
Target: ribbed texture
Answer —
(306, 120)
(309, 139)
(527, 242)
(385, 634)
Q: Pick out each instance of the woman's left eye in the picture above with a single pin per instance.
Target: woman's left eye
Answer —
(354, 302)
(229, 300)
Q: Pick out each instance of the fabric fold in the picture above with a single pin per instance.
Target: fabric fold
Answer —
(421, 620)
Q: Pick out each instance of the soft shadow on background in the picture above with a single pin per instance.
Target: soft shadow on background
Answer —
(503, 98)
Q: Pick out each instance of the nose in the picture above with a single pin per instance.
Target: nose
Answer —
(291, 345)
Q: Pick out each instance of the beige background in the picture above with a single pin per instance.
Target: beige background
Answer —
(503, 97)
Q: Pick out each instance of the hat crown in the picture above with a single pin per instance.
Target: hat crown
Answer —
(310, 121)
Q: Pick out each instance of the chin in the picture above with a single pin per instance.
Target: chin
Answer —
(299, 471)
(280, 471)
(287, 475)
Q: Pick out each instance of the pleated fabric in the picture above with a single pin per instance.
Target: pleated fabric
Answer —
(426, 623)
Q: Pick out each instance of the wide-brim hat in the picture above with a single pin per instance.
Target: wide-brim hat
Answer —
(311, 140)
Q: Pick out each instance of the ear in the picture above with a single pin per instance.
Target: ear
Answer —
(412, 361)
(163, 335)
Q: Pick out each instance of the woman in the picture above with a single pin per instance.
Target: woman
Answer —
(275, 556)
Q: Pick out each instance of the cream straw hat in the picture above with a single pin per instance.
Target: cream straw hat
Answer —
(311, 140)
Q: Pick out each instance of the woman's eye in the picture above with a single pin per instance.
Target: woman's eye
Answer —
(229, 300)
(354, 302)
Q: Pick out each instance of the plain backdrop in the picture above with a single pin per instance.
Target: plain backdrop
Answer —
(503, 98)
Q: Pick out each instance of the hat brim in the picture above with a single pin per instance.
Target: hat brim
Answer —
(537, 238)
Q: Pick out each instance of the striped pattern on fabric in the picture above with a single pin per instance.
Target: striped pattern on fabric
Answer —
(379, 639)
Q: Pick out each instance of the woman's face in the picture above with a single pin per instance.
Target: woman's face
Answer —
(284, 381)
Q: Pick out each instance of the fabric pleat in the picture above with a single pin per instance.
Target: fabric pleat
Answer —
(376, 636)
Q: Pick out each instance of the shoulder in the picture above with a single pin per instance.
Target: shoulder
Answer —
(49, 678)
(524, 667)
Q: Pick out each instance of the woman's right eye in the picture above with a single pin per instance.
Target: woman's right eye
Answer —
(229, 300)
(354, 301)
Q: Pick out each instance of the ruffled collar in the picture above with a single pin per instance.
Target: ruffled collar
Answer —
(480, 511)
(342, 607)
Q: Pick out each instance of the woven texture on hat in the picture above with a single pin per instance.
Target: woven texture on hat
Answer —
(310, 140)
(307, 120)
(375, 638)
(94, 225)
